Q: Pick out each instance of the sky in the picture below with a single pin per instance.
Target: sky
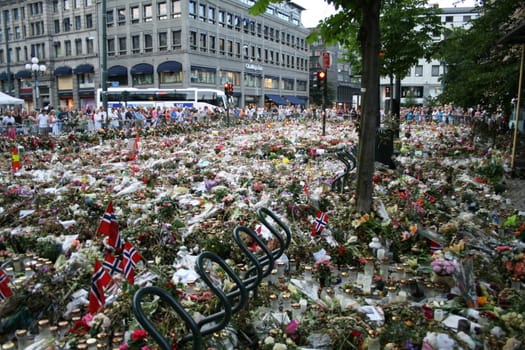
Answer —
(317, 10)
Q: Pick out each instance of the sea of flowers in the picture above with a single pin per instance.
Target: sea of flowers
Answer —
(90, 219)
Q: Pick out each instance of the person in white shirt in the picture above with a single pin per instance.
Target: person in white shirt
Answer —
(100, 118)
(113, 117)
(43, 122)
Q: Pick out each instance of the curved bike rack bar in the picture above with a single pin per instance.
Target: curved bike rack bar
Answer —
(229, 302)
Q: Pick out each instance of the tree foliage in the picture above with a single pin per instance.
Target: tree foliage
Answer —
(408, 29)
(480, 70)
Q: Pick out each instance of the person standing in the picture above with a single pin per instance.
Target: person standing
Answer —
(43, 122)
(100, 118)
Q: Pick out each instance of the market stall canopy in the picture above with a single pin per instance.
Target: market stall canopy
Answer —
(6, 99)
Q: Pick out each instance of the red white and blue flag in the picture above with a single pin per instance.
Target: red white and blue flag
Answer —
(320, 223)
(131, 258)
(5, 291)
(99, 281)
(109, 227)
(112, 264)
(435, 246)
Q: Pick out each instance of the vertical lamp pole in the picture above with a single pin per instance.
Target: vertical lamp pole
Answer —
(8, 60)
(104, 80)
(36, 69)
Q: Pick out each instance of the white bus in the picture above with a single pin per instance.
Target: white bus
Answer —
(151, 97)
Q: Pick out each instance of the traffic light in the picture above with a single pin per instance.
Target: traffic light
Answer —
(228, 89)
(321, 80)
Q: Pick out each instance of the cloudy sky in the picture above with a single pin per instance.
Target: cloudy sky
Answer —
(319, 9)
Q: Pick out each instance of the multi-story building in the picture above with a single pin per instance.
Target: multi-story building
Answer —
(152, 43)
(423, 81)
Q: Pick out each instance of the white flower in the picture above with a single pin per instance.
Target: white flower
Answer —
(279, 346)
(269, 341)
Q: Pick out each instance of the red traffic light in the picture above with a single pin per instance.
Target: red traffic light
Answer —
(321, 75)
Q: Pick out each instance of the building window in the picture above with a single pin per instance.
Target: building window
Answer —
(135, 44)
(238, 49)
(86, 80)
(170, 77)
(148, 13)
(237, 23)
(111, 47)
(211, 14)
(193, 40)
(76, 4)
(287, 84)
(271, 82)
(110, 19)
(162, 9)
(221, 46)
(202, 42)
(68, 48)
(55, 6)
(252, 80)
(176, 39)
(89, 46)
(67, 24)
(418, 72)
(466, 19)
(58, 49)
(212, 44)
(142, 79)
(221, 18)
(135, 14)
(67, 5)
(89, 21)
(122, 47)
(412, 91)
(121, 13)
(148, 43)
(175, 8)
(230, 48)
(229, 20)
(78, 22)
(78, 47)
(202, 12)
(449, 19)
(435, 70)
(57, 26)
(163, 41)
(18, 33)
(88, 2)
(192, 9)
(231, 77)
(301, 85)
(203, 76)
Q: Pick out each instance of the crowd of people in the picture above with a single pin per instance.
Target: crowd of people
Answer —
(54, 121)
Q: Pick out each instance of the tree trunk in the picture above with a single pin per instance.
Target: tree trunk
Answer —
(369, 39)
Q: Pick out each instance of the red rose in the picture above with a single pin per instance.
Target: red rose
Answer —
(139, 334)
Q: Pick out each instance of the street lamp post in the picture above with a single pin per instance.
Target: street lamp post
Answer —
(36, 70)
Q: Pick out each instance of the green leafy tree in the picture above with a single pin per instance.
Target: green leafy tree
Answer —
(363, 15)
(408, 29)
(480, 71)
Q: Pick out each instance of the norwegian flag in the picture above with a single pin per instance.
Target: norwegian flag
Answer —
(112, 264)
(320, 223)
(5, 291)
(131, 257)
(435, 246)
(100, 279)
(109, 227)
